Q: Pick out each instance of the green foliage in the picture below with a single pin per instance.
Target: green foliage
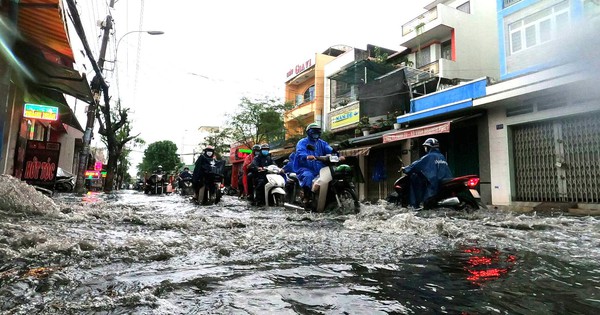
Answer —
(160, 153)
(220, 140)
(257, 121)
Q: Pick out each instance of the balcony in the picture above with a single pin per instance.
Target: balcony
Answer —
(434, 24)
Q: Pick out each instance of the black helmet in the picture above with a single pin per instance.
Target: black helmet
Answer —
(313, 126)
(160, 166)
(256, 147)
(432, 143)
(265, 146)
(209, 148)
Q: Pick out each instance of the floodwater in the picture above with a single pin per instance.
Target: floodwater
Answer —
(129, 253)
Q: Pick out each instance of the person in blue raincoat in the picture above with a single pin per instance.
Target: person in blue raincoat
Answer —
(427, 173)
(305, 163)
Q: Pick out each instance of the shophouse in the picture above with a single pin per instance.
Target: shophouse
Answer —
(544, 116)
(37, 70)
(305, 90)
(451, 55)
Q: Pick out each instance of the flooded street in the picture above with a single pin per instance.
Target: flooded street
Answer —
(129, 253)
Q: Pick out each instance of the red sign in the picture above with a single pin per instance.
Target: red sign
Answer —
(299, 68)
(41, 162)
(443, 127)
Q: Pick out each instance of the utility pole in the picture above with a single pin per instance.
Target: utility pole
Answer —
(96, 88)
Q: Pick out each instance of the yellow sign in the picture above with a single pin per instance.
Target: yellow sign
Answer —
(345, 118)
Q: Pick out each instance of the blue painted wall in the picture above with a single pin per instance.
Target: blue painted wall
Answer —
(460, 93)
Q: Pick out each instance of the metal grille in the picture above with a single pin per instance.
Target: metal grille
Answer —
(582, 158)
(536, 177)
(558, 161)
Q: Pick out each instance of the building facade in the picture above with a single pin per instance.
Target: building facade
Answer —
(543, 117)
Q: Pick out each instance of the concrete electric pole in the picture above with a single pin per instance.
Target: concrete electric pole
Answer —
(96, 88)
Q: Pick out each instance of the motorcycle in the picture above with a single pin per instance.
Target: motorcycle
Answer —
(212, 180)
(156, 184)
(274, 187)
(458, 193)
(65, 181)
(333, 190)
(185, 186)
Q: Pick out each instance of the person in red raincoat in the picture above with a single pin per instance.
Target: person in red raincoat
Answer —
(247, 179)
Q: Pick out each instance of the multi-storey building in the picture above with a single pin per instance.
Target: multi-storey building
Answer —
(544, 116)
(304, 89)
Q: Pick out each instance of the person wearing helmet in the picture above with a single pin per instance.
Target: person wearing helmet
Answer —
(306, 165)
(201, 167)
(427, 173)
(184, 175)
(258, 166)
(159, 170)
(248, 180)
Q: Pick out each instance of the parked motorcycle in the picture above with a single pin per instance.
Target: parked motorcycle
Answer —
(156, 184)
(210, 192)
(458, 193)
(274, 188)
(333, 190)
(65, 181)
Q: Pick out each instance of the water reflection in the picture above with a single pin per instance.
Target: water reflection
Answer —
(131, 253)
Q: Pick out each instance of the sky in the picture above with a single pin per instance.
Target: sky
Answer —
(213, 53)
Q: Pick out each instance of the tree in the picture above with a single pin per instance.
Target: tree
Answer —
(220, 140)
(162, 153)
(124, 163)
(257, 121)
(115, 128)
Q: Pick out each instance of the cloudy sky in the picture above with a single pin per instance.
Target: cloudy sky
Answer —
(212, 53)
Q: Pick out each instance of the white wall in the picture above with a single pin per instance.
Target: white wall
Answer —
(330, 68)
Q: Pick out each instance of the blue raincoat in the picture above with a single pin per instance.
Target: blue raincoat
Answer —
(434, 167)
(307, 170)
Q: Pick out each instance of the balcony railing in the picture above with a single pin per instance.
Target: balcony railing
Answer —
(419, 21)
(508, 3)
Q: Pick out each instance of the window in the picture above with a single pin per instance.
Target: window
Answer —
(538, 28)
(309, 94)
(465, 7)
(447, 50)
(423, 56)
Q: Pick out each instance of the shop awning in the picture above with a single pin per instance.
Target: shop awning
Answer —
(53, 98)
(283, 152)
(432, 129)
(358, 151)
(42, 22)
(52, 75)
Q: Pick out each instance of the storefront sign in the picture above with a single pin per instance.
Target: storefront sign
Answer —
(92, 174)
(432, 129)
(42, 112)
(299, 68)
(346, 117)
(41, 163)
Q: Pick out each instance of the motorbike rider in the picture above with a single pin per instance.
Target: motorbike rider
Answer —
(427, 173)
(201, 167)
(248, 179)
(159, 170)
(306, 165)
(258, 168)
(183, 176)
